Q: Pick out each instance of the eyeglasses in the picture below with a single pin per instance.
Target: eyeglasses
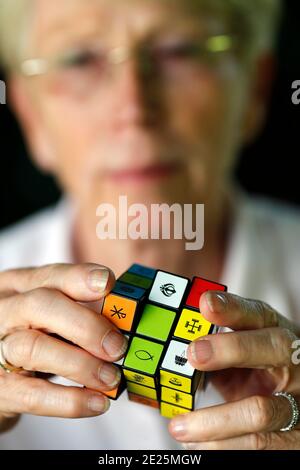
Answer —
(79, 70)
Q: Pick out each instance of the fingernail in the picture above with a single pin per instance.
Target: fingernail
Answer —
(114, 344)
(109, 375)
(98, 403)
(97, 280)
(201, 350)
(215, 302)
(179, 427)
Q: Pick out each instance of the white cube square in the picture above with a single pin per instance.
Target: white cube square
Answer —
(176, 359)
(168, 289)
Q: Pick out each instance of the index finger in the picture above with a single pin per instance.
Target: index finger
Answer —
(238, 313)
(82, 282)
(50, 309)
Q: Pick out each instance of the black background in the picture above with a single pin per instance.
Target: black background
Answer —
(270, 166)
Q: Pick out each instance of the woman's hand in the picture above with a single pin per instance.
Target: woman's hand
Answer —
(250, 364)
(38, 302)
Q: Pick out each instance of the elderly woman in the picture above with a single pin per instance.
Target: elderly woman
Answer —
(153, 100)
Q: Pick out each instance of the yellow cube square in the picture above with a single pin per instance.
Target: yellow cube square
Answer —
(191, 325)
(172, 380)
(138, 378)
(141, 390)
(175, 397)
(170, 411)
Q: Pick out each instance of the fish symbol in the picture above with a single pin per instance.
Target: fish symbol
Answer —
(168, 289)
(144, 355)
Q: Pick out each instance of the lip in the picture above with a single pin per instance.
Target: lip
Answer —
(142, 175)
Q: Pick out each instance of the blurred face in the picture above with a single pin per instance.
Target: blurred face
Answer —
(131, 106)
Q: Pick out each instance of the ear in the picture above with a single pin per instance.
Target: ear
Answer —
(23, 103)
(259, 96)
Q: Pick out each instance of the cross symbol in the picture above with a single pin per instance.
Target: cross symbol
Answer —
(118, 312)
(193, 326)
(177, 397)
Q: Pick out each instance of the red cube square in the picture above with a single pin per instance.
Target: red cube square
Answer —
(199, 286)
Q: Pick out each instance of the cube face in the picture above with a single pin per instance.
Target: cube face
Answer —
(170, 411)
(156, 322)
(175, 381)
(168, 289)
(191, 325)
(176, 361)
(159, 311)
(120, 311)
(199, 286)
(142, 390)
(136, 280)
(143, 400)
(174, 397)
(143, 356)
(140, 379)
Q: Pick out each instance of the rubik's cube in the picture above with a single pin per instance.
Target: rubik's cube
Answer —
(159, 313)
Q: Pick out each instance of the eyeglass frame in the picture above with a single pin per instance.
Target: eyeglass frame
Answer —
(216, 44)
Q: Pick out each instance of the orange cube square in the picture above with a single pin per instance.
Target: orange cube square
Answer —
(143, 400)
(120, 311)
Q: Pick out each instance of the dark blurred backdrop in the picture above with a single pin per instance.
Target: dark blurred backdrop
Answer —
(268, 167)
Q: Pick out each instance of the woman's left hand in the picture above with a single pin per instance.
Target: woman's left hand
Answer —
(251, 363)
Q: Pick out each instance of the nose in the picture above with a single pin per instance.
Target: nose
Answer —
(132, 95)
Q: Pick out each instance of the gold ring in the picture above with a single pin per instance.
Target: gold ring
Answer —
(6, 366)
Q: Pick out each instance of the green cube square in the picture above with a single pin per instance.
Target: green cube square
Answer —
(143, 356)
(156, 322)
(135, 280)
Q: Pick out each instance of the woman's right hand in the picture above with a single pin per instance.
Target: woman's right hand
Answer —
(38, 302)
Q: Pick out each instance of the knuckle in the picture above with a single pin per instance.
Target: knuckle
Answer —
(33, 344)
(40, 276)
(261, 310)
(73, 407)
(23, 349)
(259, 441)
(30, 397)
(262, 412)
(242, 348)
(85, 325)
(38, 299)
(281, 342)
(81, 328)
(269, 315)
(266, 314)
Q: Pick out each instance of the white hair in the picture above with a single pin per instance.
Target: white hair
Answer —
(259, 17)
(14, 17)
